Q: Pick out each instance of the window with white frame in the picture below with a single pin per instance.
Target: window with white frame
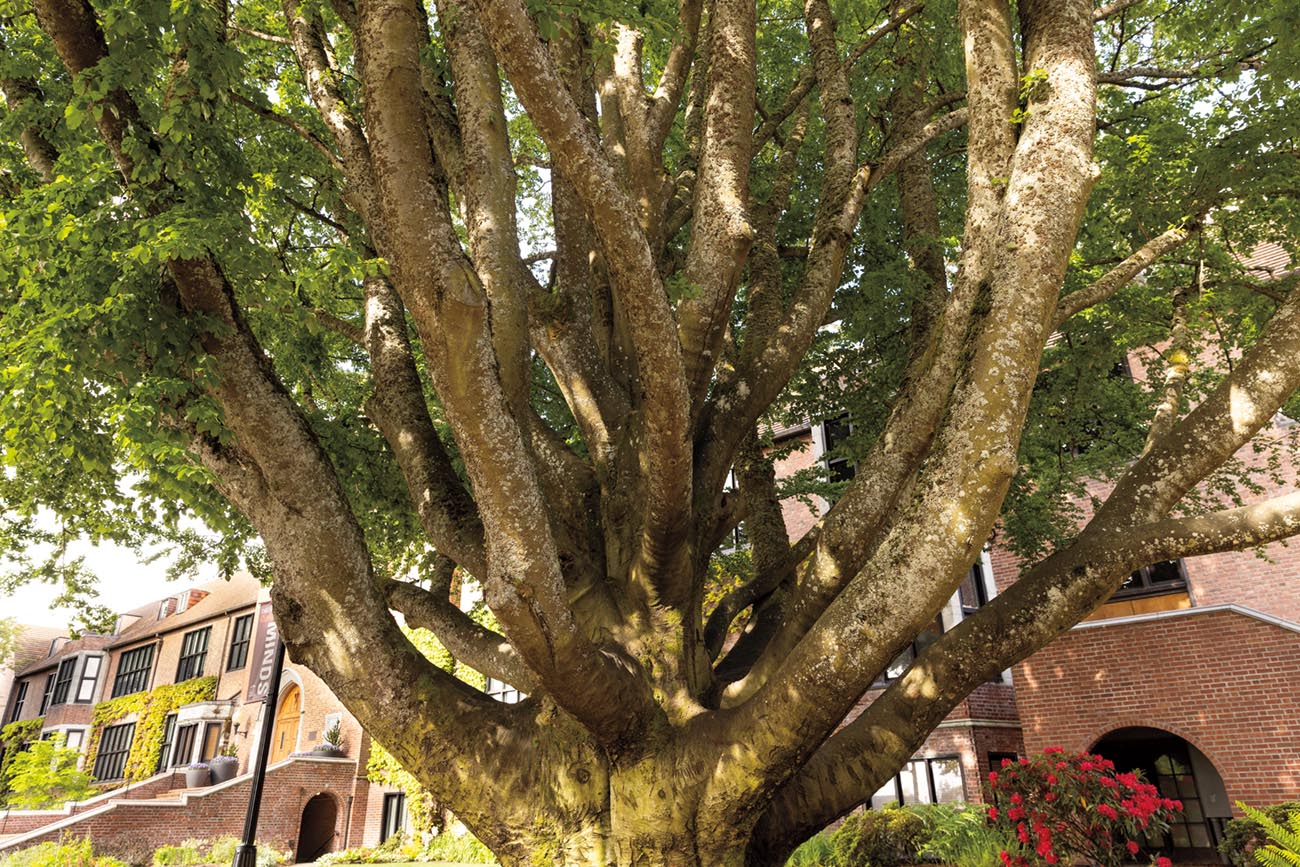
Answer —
(835, 431)
(74, 739)
(89, 679)
(502, 691)
(935, 780)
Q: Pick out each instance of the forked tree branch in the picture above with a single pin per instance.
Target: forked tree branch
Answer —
(664, 461)
(524, 581)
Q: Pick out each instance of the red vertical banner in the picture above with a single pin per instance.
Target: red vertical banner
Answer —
(265, 644)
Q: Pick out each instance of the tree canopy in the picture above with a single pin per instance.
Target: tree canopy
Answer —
(376, 291)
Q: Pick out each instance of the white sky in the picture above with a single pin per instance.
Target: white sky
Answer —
(125, 582)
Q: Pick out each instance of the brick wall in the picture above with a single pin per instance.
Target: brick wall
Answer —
(799, 519)
(219, 811)
(1223, 681)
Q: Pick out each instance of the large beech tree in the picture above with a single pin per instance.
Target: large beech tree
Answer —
(381, 290)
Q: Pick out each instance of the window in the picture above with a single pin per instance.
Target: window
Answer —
(19, 698)
(74, 738)
(394, 815)
(184, 744)
(1167, 576)
(49, 691)
(114, 744)
(63, 680)
(973, 592)
(133, 671)
(834, 433)
(996, 760)
(928, 636)
(240, 637)
(89, 677)
(211, 741)
(923, 781)
(502, 692)
(194, 652)
(169, 734)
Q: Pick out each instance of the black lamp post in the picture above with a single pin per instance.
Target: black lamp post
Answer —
(246, 853)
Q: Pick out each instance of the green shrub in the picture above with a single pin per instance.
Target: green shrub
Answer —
(462, 848)
(1282, 845)
(183, 855)
(394, 850)
(46, 775)
(814, 852)
(877, 838)
(961, 836)
(219, 850)
(66, 853)
(1242, 836)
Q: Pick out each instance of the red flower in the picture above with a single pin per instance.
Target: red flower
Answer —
(1051, 779)
(1006, 857)
(1132, 847)
(993, 776)
(1006, 763)
(1162, 861)
(1108, 811)
(1016, 799)
(1054, 750)
(993, 814)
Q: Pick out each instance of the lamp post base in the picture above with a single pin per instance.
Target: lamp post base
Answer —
(245, 855)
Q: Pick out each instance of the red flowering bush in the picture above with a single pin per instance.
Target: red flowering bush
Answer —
(1063, 809)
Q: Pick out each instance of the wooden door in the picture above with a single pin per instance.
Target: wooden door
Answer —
(285, 736)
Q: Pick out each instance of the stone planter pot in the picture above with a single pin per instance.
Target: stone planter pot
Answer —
(222, 771)
(197, 778)
(327, 751)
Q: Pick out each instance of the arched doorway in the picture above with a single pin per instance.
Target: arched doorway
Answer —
(1179, 770)
(316, 833)
(285, 736)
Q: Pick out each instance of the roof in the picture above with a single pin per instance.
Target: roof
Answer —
(219, 597)
(66, 649)
(33, 643)
(1267, 261)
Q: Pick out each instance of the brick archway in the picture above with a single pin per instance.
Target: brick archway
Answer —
(1114, 725)
(318, 827)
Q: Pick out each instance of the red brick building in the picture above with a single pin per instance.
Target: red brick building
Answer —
(1191, 673)
(183, 680)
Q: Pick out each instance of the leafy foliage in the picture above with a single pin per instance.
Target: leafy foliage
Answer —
(14, 738)
(961, 836)
(1057, 807)
(46, 775)
(66, 853)
(219, 850)
(1244, 838)
(880, 838)
(150, 709)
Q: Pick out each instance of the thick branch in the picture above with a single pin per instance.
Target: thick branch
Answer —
(1123, 273)
(480, 648)
(721, 232)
